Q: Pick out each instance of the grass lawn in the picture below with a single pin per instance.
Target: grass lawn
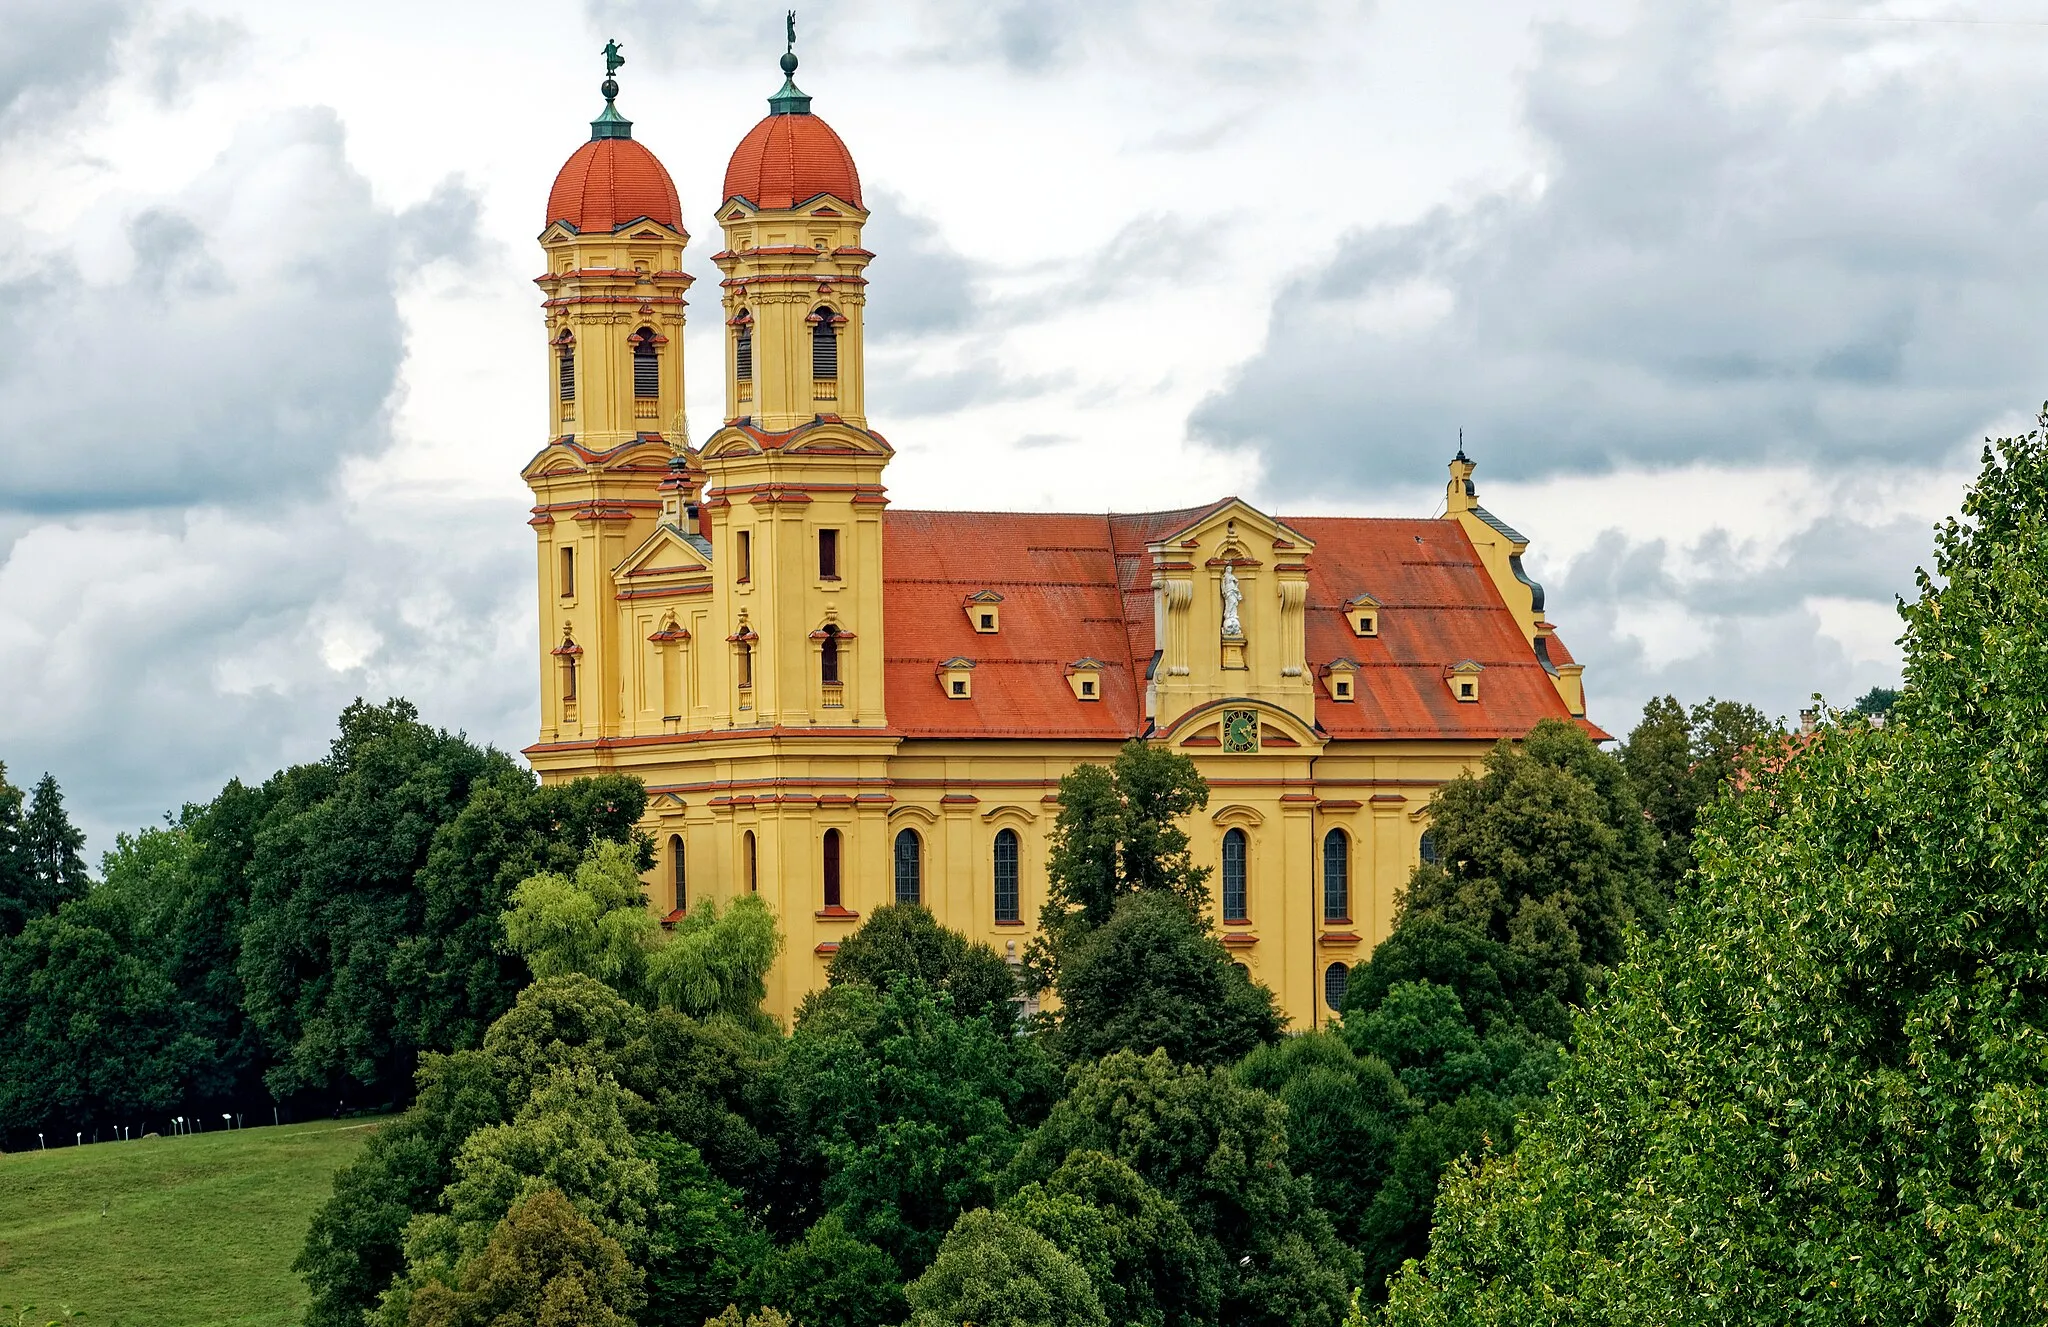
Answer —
(168, 1232)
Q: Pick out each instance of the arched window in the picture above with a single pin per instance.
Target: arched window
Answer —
(824, 344)
(749, 862)
(1429, 852)
(565, 367)
(909, 867)
(746, 663)
(1336, 876)
(831, 868)
(1006, 875)
(568, 677)
(743, 346)
(1234, 845)
(828, 657)
(675, 866)
(646, 365)
(1336, 981)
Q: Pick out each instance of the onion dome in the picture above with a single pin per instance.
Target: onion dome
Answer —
(792, 156)
(612, 180)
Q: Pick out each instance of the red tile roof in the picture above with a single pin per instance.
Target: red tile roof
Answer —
(610, 181)
(1076, 586)
(790, 159)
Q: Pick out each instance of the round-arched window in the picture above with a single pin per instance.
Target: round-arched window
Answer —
(675, 866)
(1336, 876)
(909, 867)
(1234, 901)
(831, 868)
(1007, 903)
(1428, 847)
(1336, 981)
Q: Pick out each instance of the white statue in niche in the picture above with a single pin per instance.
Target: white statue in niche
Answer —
(1233, 595)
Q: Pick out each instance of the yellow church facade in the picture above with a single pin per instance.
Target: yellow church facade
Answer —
(837, 704)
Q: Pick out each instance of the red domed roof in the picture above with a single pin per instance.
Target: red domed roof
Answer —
(610, 181)
(787, 159)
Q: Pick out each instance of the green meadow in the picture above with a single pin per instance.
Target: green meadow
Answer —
(168, 1232)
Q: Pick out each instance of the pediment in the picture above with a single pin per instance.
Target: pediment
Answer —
(1233, 528)
(668, 553)
(1201, 730)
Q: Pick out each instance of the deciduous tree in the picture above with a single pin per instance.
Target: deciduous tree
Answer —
(996, 1272)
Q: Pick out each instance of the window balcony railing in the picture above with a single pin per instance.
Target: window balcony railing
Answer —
(825, 389)
(645, 407)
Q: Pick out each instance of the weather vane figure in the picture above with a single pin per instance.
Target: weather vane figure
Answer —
(790, 23)
(613, 57)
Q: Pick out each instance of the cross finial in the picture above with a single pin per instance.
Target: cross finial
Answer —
(1461, 445)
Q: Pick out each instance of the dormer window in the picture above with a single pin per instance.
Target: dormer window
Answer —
(1464, 680)
(1363, 615)
(1085, 677)
(984, 611)
(1341, 677)
(957, 677)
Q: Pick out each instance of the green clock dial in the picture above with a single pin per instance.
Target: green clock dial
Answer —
(1240, 730)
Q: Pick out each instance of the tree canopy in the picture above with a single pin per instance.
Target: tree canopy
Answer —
(1818, 1097)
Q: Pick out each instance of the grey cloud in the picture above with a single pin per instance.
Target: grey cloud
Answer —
(250, 350)
(1759, 634)
(920, 284)
(1700, 277)
(912, 392)
(189, 49)
(153, 656)
(49, 49)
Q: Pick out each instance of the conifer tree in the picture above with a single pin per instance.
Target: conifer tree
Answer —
(54, 847)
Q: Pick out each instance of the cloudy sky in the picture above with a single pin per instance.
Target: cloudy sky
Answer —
(1723, 295)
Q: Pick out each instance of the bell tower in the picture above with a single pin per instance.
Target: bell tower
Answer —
(612, 334)
(796, 496)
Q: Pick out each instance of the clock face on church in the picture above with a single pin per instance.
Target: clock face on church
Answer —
(1240, 730)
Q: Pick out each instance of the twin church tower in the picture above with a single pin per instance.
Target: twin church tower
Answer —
(839, 705)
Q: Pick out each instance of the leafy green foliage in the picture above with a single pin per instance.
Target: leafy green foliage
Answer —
(93, 1033)
(831, 1279)
(904, 940)
(1153, 978)
(716, 961)
(1545, 851)
(546, 1265)
(701, 1246)
(1218, 1151)
(18, 901)
(997, 1272)
(596, 923)
(1819, 1097)
(1146, 1265)
(1678, 761)
(1118, 833)
(912, 1110)
(1877, 701)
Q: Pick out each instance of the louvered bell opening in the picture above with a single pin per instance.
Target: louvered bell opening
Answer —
(824, 347)
(743, 356)
(646, 372)
(568, 376)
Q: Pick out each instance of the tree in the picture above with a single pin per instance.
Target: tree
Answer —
(1146, 1265)
(1346, 1114)
(904, 940)
(1545, 851)
(54, 848)
(831, 1279)
(1877, 702)
(701, 1247)
(355, 1244)
(546, 1265)
(332, 897)
(93, 1032)
(457, 975)
(1819, 1097)
(596, 923)
(18, 901)
(1218, 1151)
(912, 1110)
(996, 1272)
(1677, 761)
(1152, 978)
(1118, 832)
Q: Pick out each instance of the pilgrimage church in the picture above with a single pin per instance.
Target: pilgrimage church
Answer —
(841, 704)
